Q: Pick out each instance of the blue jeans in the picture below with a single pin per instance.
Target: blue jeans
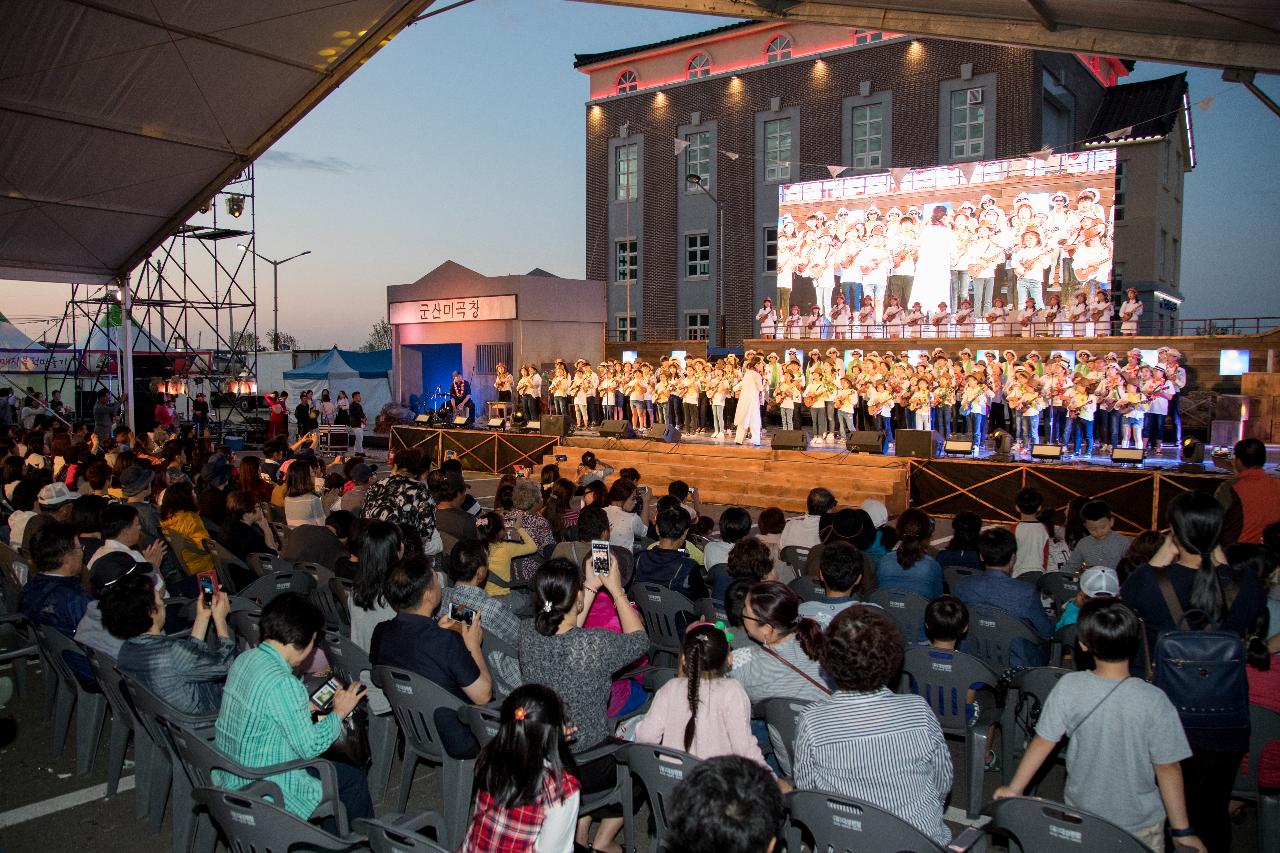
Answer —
(1029, 429)
(819, 415)
(1084, 429)
(1032, 287)
(942, 420)
(983, 290)
(1154, 429)
(886, 424)
(846, 423)
(717, 414)
(978, 426)
(788, 417)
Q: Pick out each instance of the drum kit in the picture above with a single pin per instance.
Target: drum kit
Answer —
(435, 408)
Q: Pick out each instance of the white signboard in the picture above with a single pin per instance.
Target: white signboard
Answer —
(454, 310)
(37, 361)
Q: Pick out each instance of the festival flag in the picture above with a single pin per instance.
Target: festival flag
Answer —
(836, 170)
(898, 175)
(1205, 103)
(1044, 153)
(681, 144)
(1116, 134)
(975, 172)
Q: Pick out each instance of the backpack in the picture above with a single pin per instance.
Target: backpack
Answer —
(1202, 671)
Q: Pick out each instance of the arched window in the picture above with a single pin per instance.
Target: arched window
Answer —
(778, 49)
(627, 82)
(699, 66)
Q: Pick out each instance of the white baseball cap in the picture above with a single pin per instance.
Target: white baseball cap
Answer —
(1100, 581)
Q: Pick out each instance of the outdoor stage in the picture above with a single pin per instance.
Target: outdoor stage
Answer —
(726, 473)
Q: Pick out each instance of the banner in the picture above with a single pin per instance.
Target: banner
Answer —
(456, 310)
(37, 361)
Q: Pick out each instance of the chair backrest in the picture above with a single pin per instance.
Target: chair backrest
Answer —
(1032, 577)
(710, 611)
(269, 586)
(109, 681)
(809, 589)
(782, 717)
(482, 720)
(159, 718)
(905, 608)
(841, 823)
(269, 564)
(1064, 646)
(414, 701)
(665, 613)
(1048, 827)
(951, 574)
(183, 547)
(1061, 586)
(943, 679)
(992, 634)
(346, 658)
(251, 824)
(322, 596)
(225, 560)
(797, 557)
(245, 625)
(386, 836)
(54, 649)
(1264, 729)
(661, 770)
(1028, 691)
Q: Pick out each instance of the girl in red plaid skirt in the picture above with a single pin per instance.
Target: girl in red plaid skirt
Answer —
(526, 779)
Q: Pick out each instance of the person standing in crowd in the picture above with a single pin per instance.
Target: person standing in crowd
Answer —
(750, 398)
(278, 414)
(358, 421)
(105, 411)
(200, 415)
(1251, 498)
(1103, 546)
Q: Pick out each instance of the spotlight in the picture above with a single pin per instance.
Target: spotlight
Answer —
(1003, 444)
(1192, 450)
(958, 445)
(693, 180)
(235, 205)
(204, 208)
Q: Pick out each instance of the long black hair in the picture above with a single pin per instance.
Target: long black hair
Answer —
(529, 746)
(965, 528)
(1196, 521)
(776, 604)
(377, 548)
(706, 652)
(555, 592)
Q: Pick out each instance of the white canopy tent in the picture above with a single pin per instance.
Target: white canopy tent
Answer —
(344, 370)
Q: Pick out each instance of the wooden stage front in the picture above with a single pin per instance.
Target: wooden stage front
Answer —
(760, 477)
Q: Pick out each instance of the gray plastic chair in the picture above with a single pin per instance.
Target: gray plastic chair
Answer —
(905, 608)
(414, 701)
(324, 598)
(661, 770)
(13, 625)
(483, 721)
(198, 758)
(1061, 586)
(1062, 648)
(418, 834)
(1033, 825)
(74, 695)
(351, 663)
(250, 824)
(809, 589)
(244, 625)
(830, 821)
(269, 586)
(943, 679)
(268, 564)
(124, 722)
(951, 574)
(1032, 577)
(666, 613)
(992, 634)
(1264, 729)
(797, 557)
(224, 561)
(782, 717)
(1028, 690)
(496, 650)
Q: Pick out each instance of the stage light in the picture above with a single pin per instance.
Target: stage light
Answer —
(958, 445)
(235, 205)
(1127, 455)
(693, 180)
(1003, 444)
(204, 208)
(1192, 450)
(1046, 451)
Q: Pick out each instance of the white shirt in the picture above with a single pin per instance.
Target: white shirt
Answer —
(801, 532)
(626, 527)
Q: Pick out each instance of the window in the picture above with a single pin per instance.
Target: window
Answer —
(968, 123)
(697, 255)
(697, 159)
(626, 171)
(627, 261)
(1173, 263)
(1164, 251)
(778, 49)
(1122, 184)
(1117, 278)
(777, 150)
(1164, 163)
(771, 249)
(628, 81)
(489, 355)
(699, 66)
(625, 325)
(867, 36)
(868, 136)
(697, 327)
(1057, 114)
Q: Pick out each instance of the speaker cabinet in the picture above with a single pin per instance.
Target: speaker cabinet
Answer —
(554, 425)
(1127, 455)
(865, 441)
(960, 444)
(916, 443)
(616, 429)
(668, 433)
(1046, 451)
(789, 439)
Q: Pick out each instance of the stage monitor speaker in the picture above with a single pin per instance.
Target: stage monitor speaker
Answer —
(494, 423)
(916, 443)
(958, 444)
(616, 429)
(669, 433)
(789, 439)
(865, 441)
(1129, 455)
(1046, 451)
(422, 419)
(554, 425)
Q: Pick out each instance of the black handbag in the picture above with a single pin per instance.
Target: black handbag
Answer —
(352, 744)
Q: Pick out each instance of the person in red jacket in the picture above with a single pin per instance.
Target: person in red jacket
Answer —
(1251, 498)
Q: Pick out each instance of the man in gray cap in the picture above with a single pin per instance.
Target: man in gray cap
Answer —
(353, 498)
(55, 503)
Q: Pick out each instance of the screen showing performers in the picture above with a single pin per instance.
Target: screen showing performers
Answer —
(984, 249)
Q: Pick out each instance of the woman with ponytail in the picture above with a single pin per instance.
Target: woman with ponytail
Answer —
(785, 663)
(908, 566)
(701, 712)
(527, 787)
(1212, 595)
(578, 663)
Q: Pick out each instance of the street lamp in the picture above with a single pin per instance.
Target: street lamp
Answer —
(695, 181)
(275, 289)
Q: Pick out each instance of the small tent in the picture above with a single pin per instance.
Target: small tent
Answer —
(345, 370)
(12, 338)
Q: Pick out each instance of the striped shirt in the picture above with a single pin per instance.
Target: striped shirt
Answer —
(266, 719)
(879, 747)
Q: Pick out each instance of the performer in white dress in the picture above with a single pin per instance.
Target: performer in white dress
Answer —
(768, 319)
(932, 283)
(1130, 312)
(841, 318)
(795, 324)
(939, 322)
(1101, 312)
(747, 416)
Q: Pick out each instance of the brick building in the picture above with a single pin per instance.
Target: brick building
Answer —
(751, 106)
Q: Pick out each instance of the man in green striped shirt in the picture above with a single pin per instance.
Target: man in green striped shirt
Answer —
(265, 717)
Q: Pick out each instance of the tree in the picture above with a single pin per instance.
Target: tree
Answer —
(249, 342)
(379, 337)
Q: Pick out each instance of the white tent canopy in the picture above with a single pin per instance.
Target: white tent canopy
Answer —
(343, 370)
(11, 337)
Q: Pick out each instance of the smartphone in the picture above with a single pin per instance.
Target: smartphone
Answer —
(458, 613)
(208, 586)
(600, 556)
(451, 454)
(561, 457)
(322, 698)
(521, 472)
(509, 531)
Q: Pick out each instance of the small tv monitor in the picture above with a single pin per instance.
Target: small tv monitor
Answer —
(629, 356)
(680, 355)
(1233, 362)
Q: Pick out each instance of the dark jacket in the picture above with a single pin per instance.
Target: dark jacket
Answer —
(671, 569)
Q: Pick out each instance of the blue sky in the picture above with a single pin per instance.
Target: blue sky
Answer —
(463, 139)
